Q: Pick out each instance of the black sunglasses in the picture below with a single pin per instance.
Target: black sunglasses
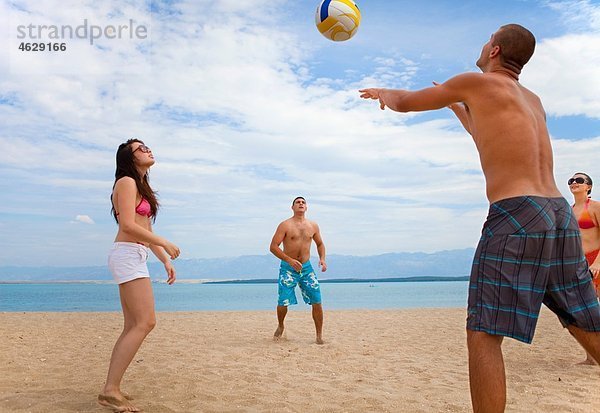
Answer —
(146, 149)
(579, 180)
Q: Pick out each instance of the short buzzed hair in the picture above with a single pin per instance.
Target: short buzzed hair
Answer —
(516, 46)
(298, 197)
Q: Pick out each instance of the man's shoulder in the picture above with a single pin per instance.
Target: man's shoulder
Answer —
(467, 83)
(313, 224)
(285, 222)
(468, 77)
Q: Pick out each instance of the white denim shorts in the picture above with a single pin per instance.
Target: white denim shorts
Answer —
(127, 261)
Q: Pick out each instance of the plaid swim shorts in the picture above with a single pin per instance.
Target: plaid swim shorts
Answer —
(530, 253)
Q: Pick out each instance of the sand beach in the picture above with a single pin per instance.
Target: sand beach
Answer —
(373, 361)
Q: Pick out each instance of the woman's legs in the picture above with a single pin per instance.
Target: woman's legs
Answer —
(137, 301)
(589, 360)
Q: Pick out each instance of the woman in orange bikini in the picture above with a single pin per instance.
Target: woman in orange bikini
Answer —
(134, 206)
(587, 213)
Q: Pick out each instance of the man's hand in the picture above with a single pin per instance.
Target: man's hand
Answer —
(297, 265)
(373, 93)
(323, 265)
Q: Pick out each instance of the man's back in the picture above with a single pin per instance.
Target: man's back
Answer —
(508, 125)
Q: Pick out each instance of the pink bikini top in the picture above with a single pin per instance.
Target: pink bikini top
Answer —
(144, 208)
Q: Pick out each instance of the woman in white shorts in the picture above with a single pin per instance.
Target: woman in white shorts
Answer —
(134, 206)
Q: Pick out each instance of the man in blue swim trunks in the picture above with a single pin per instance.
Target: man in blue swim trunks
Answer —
(529, 252)
(297, 234)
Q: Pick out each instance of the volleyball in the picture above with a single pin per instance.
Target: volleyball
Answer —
(337, 20)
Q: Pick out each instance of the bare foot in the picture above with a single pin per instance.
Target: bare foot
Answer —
(320, 340)
(117, 404)
(278, 333)
(126, 395)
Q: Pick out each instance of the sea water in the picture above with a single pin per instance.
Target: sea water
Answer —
(232, 297)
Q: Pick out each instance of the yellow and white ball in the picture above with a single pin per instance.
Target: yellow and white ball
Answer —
(338, 20)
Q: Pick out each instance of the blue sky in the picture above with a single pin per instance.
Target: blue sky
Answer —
(246, 105)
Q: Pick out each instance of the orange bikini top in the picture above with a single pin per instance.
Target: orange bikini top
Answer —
(585, 219)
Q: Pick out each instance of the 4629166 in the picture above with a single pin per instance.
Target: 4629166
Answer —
(42, 47)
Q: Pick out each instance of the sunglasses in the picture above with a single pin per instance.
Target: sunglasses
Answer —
(579, 180)
(146, 149)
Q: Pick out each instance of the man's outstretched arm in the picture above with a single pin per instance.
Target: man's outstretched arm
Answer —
(452, 91)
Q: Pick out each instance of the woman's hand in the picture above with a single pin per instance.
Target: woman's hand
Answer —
(171, 249)
(170, 272)
(595, 269)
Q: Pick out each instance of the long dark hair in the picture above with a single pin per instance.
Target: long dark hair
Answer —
(126, 167)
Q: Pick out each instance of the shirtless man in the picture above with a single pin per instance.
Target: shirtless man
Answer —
(529, 251)
(297, 233)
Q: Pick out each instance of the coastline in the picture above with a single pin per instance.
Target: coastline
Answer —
(433, 278)
(375, 360)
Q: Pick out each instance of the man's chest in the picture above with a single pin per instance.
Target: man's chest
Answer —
(301, 233)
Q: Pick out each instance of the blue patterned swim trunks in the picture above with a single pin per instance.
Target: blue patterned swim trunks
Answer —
(306, 279)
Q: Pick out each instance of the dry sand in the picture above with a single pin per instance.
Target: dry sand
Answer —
(373, 361)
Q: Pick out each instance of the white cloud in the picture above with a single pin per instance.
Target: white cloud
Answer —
(579, 15)
(564, 72)
(564, 69)
(84, 219)
(571, 158)
(240, 124)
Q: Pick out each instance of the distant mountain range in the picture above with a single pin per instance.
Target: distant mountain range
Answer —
(450, 263)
